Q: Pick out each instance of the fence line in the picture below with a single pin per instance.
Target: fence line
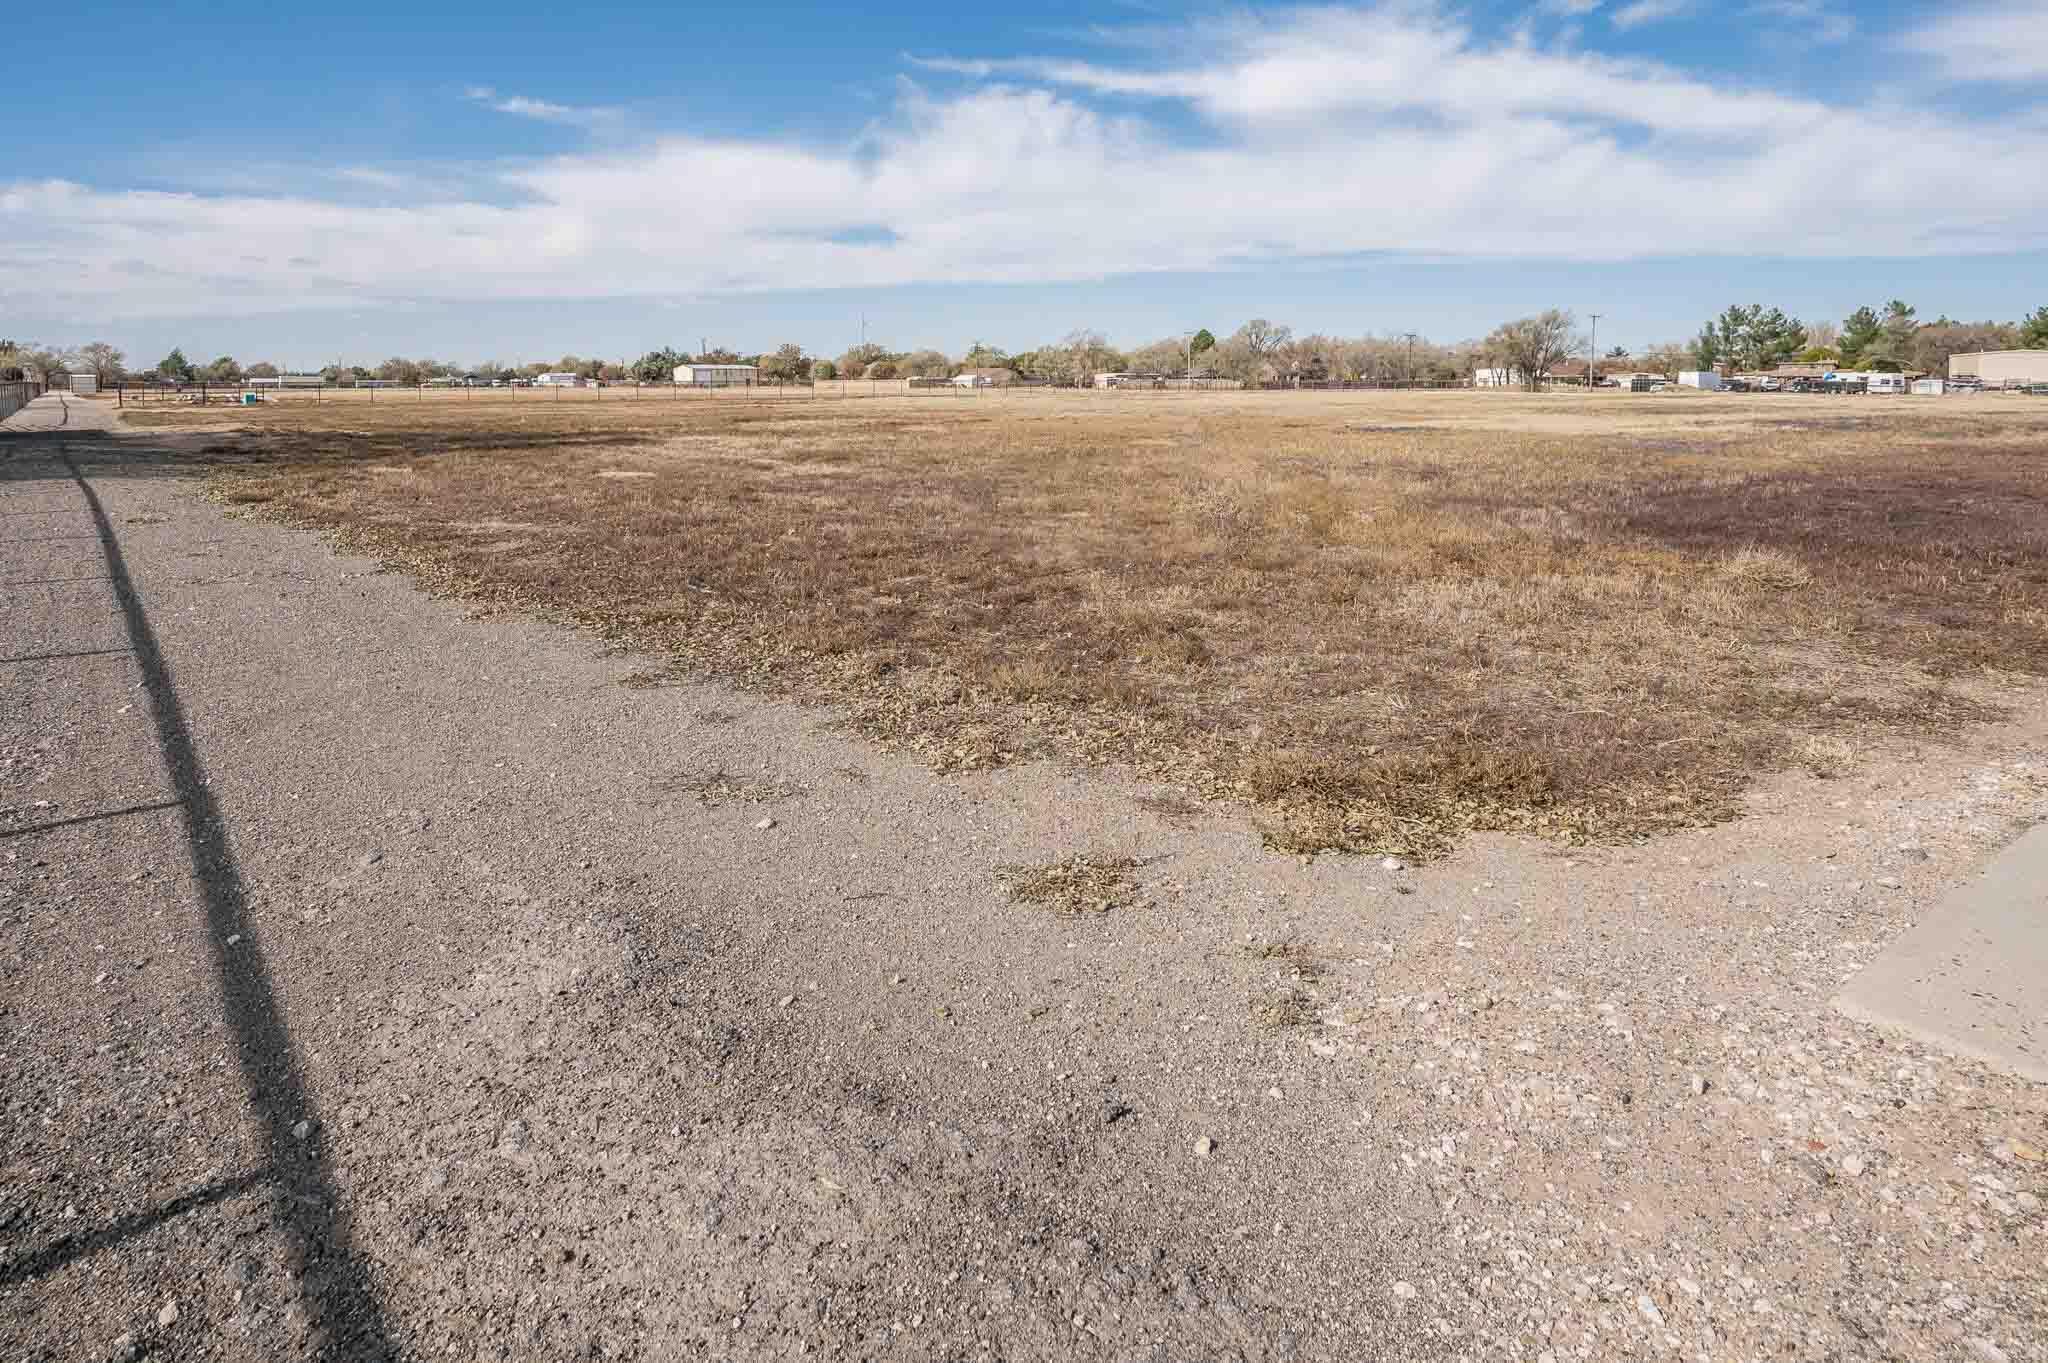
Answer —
(246, 393)
(16, 394)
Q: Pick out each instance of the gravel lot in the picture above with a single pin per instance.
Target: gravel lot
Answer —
(377, 981)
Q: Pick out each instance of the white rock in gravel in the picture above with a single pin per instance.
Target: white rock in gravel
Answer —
(1392, 864)
(302, 1130)
(1699, 1086)
(1203, 1146)
(234, 937)
(785, 1001)
(1404, 1291)
(1889, 882)
(1852, 1166)
(765, 824)
(1689, 1287)
(169, 1315)
(1649, 1309)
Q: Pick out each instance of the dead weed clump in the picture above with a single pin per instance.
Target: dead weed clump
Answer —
(717, 786)
(1593, 620)
(1081, 884)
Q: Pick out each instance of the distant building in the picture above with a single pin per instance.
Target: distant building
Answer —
(84, 381)
(558, 380)
(1496, 378)
(1704, 379)
(986, 376)
(718, 375)
(1998, 368)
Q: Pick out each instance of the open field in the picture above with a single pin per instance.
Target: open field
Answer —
(386, 978)
(1383, 619)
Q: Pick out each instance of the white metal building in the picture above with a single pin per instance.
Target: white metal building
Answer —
(558, 380)
(1496, 378)
(1699, 378)
(717, 375)
(1996, 368)
(84, 381)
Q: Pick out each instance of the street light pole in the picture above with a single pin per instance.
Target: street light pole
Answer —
(1592, 350)
(1410, 374)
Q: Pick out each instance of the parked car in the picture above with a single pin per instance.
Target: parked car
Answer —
(1735, 385)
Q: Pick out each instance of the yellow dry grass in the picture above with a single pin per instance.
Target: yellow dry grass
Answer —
(1382, 619)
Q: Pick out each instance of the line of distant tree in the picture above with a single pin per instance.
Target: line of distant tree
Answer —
(1890, 339)
(1744, 337)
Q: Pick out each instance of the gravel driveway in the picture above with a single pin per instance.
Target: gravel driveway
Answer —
(377, 981)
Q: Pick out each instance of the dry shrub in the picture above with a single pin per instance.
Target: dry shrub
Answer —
(1769, 569)
(1081, 884)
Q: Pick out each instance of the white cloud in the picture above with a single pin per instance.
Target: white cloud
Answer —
(1648, 12)
(1819, 20)
(1335, 132)
(519, 106)
(1987, 42)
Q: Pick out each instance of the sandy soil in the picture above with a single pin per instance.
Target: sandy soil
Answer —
(377, 981)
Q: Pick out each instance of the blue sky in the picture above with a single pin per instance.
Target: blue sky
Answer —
(511, 183)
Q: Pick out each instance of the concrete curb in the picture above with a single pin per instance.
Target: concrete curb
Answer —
(1972, 976)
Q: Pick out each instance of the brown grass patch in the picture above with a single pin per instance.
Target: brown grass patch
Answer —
(718, 786)
(1074, 885)
(1585, 618)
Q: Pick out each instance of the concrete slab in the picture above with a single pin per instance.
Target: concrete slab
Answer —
(1972, 977)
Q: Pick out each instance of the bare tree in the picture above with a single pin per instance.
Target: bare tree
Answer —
(1083, 354)
(1666, 359)
(927, 364)
(1254, 348)
(1529, 346)
(787, 364)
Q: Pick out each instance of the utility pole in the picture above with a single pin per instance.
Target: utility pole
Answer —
(1592, 350)
(1410, 373)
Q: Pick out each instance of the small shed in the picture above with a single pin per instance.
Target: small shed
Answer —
(1704, 379)
(717, 375)
(1929, 387)
(84, 381)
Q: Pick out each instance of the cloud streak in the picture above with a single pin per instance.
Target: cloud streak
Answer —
(1330, 133)
(544, 111)
(1987, 42)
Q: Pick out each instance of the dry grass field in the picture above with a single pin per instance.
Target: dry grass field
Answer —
(1380, 618)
